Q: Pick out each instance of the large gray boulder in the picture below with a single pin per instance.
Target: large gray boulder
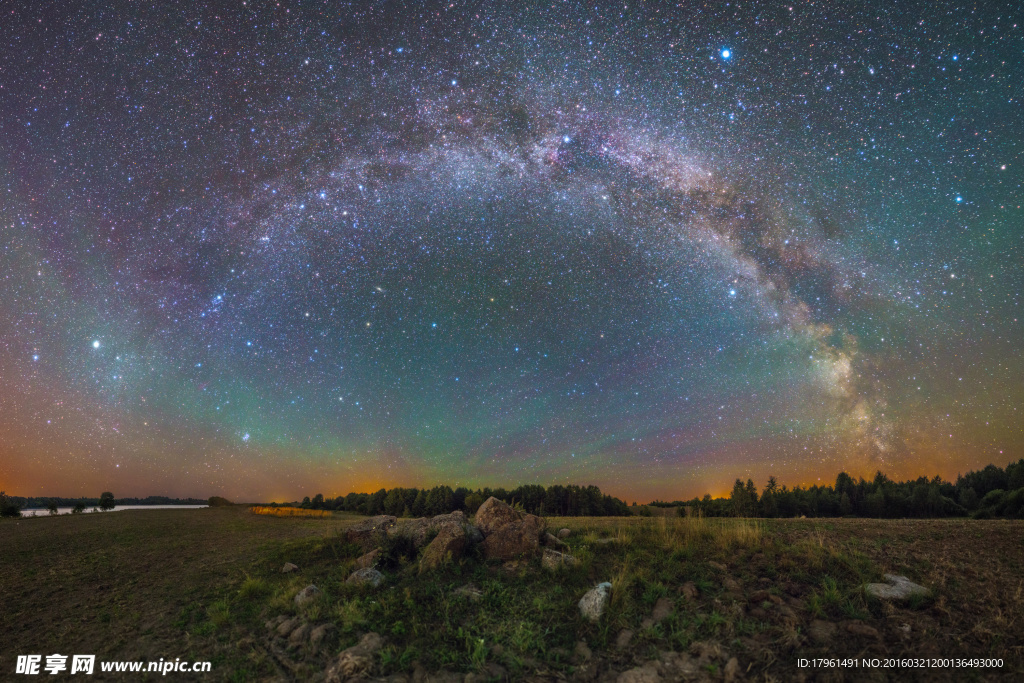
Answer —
(895, 588)
(595, 602)
(448, 545)
(370, 532)
(493, 515)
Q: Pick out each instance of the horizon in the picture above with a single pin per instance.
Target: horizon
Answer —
(259, 255)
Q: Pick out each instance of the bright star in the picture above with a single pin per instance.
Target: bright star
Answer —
(96, 344)
(726, 53)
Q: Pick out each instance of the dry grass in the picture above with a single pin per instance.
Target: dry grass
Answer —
(289, 512)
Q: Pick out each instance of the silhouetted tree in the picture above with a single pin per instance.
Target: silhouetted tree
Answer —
(106, 501)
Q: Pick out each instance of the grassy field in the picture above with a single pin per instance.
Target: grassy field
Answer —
(202, 585)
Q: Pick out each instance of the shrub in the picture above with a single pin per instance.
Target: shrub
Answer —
(8, 508)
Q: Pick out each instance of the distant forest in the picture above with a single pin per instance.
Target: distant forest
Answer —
(566, 501)
(985, 494)
(44, 502)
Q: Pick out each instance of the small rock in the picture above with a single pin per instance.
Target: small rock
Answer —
(553, 559)
(863, 630)
(622, 640)
(289, 568)
(605, 541)
(497, 650)
(689, 590)
(594, 603)
(662, 609)
(364, 576)
(648, 673)
(822, 632)
(895, 588)
(299, 635)
(321, 636)
(355, 660)
(564, 533)
(904, 629)
(306, 595)
(718, 565)
(732, 668)
(287, 626)
(582, 652)
(757, 597)
(368, 560)
(730, 584)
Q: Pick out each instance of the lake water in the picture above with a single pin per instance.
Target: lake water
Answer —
(43, 512)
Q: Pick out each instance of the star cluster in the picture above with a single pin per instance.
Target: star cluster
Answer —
(258, 249)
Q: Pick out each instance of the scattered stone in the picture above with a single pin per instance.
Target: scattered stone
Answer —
(822, 632)
(757, 613)
(306, 595)
(355, 660)
(605, 541)
(689, 590)
(368, 560)
(757, 597)
(365, 576)
(446, 546)
(786, 614)
(321, 636)
(895, 588)
(370, 532)
(622, 640)
(730, 584)
(272, 624)
(553, 559)
(564, 533)
(863, 630)
(289, 568)
(582, 652)
(493, 515)
(287, 626)
(470, 592)
(648, 673)
(731, 669)
(718, 565)
(299, 635)
(595, 602)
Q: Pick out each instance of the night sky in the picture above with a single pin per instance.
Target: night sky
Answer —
(264, 250)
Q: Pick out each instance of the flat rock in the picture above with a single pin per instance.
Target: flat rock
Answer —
(594, 603)
(289, 568)
(718, 565)
(895, 588)
(365, 576)
(552, 559)
(552, 541)
(623, 639)
(732, 585)
(355, 660)
(306, 594)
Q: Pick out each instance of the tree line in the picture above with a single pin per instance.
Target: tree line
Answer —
(990, 492)
(567, 501)
(11, 506)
